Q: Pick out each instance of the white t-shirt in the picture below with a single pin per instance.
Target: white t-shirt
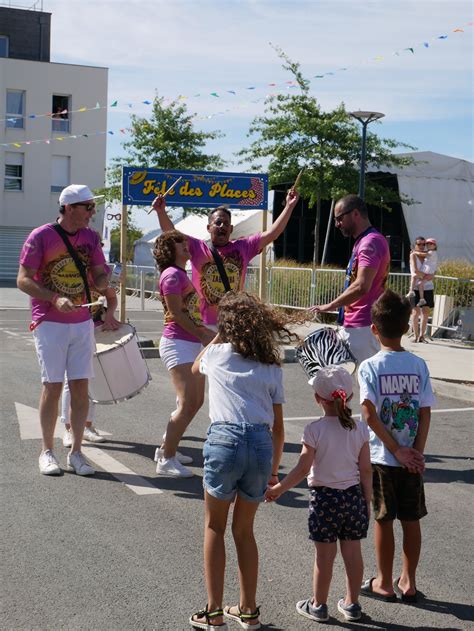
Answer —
(416, 266)
(240, 390)
(336, 461)
(398, 384)
(430, 263)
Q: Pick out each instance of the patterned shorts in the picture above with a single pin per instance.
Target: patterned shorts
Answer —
(337, 514)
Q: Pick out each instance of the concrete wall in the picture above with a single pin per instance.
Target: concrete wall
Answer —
(35, 204)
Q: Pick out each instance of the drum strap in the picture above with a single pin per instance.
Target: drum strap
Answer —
(82, 270)
(347, 281)
(220, 267)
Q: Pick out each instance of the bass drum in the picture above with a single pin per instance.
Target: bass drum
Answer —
(323, 348)
(120, 369)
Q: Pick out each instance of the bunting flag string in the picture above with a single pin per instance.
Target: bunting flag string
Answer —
(288, 85)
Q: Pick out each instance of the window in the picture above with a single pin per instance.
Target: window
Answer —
(60, 113)
(13, 171)
(59, 173)
(3, 46)
(15, 109)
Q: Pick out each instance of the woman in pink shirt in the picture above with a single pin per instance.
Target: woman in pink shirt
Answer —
(180, 344)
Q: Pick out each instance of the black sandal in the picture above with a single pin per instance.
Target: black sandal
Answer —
(244, 618)
(208, 615)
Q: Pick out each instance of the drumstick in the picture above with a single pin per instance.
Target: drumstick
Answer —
(168, 191)
(100, 301)
(298, 178)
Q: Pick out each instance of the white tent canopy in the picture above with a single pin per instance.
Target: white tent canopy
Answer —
(444, 189)
(245, 222)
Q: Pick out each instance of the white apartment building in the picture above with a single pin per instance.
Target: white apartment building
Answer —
(38, 114)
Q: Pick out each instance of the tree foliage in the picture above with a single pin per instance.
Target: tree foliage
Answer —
(166, 140)
(295, 132)
(133, 234)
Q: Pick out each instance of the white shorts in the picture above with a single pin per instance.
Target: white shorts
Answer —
(361, 341)
(174, 351)
(65, 349)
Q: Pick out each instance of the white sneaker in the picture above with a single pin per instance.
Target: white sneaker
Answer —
(48, 464)
(77, 462)
(67, 437)
(93, 436)
(160, 453)
(172, 468)
(421, 303)
(410, 294)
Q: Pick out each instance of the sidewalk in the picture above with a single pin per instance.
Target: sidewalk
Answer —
(451, 365)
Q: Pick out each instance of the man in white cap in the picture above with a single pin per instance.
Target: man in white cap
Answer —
(63, 329)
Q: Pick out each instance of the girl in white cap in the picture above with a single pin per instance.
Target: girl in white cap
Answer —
(335, 458)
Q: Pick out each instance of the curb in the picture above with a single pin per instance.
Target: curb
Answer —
(453, 390)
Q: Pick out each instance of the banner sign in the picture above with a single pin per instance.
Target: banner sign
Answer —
(202, 189)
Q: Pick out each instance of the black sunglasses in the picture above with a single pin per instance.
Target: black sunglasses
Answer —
(338, 219)
(88, 207)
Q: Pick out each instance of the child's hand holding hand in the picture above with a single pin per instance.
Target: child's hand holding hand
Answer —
(273, 492)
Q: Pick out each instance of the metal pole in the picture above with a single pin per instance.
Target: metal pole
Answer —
(123, 260)
(328, 230)
(262, 293)
(362, 160)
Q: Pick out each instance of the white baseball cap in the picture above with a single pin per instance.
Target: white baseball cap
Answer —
(329, 380)
(76, 193)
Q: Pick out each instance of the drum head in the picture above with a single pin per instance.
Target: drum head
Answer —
(323, 348)
(106, 340)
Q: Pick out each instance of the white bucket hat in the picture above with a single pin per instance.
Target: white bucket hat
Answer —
(328, 381)
(76, 193)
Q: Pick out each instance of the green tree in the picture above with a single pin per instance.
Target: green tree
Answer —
(133, 234)
(167, 140)
(296, 133)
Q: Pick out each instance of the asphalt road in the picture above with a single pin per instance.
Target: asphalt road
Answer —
(90, 553)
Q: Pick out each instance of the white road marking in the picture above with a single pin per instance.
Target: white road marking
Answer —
(315, 416)
(30, 427)
(134, 482)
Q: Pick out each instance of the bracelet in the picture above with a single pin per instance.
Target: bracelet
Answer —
(274, 475)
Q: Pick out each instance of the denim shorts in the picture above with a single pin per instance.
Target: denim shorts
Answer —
(237, 460)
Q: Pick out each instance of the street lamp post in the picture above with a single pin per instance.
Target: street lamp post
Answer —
(364, 118)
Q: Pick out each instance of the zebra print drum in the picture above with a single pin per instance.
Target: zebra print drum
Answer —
(323, 348)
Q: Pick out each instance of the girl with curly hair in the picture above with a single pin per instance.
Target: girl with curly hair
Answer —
(243, 447)
(181, 342)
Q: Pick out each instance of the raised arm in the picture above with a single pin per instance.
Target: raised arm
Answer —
(280, 223)
(159, 205)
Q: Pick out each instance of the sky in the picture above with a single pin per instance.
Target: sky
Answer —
(187, 48)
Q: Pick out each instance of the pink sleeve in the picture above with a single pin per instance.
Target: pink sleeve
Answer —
(309, 437)
(370, 253)
(32, 251)
(172, 283)
(97, 257)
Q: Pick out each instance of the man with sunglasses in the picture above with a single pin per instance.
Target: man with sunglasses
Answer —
(366, 275)
(63, 330)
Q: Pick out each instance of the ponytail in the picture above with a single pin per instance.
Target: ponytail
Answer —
(344, 413)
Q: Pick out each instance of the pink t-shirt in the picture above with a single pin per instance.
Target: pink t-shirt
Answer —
(174, 280)
(336, 461)
(370, 251)
(45, 252)
(206, 279)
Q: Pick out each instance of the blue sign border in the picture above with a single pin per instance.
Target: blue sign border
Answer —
(234, 183)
